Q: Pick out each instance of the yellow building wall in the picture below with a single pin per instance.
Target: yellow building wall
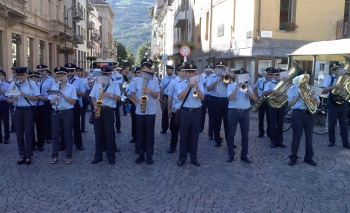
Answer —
(316, 19)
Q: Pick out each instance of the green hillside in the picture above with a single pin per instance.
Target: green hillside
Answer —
(132, 26)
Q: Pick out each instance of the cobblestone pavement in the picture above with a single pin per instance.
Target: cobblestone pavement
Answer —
(266, 185)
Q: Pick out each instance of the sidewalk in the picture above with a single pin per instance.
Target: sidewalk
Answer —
(266, 185)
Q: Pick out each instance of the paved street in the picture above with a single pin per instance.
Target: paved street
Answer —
(266, 185)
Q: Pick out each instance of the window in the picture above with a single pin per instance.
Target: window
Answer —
(347, 10)
(287, 15)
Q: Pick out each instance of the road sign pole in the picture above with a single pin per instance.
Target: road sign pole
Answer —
(185, 59)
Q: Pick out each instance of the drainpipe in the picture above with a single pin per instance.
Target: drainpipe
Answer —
(259, 14)
(211, 28)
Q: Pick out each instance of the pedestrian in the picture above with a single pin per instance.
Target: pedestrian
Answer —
(4, 110)
(104, 98)
(62, 119)
(23, 117)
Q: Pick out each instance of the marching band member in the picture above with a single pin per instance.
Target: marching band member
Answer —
(118, 77)
(38, 143)
(4, 109)
(264, 108)
(276, 115)
(62, 117)
(103, 125)
(190, 115)
(218, 103)
(164, 93)
(85, 102)
(23, 113)
(208, 70)
(173, 105)
(336, 110)
(133, 106)
(302, 119)
(238, 112)
(79, 85)
(46, 82)
(144, 93)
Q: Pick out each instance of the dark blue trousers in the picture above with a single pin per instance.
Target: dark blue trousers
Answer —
(264, 108)
(145, 134)
(174, 132)
(276, 125)
(205, 106)
(24, 125)
(5, 120)
(219, 110)
(64, 120)
(241, 118)
(337, 112)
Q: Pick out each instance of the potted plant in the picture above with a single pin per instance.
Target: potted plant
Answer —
(91, 58)
(185, 43)
(288, 26)
(66, 50)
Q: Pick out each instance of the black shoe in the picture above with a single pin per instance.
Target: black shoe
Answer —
(40, 149)
(234, 146)
(80, 148)
(48, 141)
(140, 159)
(21, 161)
(217, 144)
(260, 135)
(310, 162)
(117, 150)
(62, 149)
(347, 146)
(201, 130)
(292, 162)
(331, 144)
(12, 130)
(230, 159)
(28, 161)
(7, 141)
(162, 132)
(195, 162)
(210, 138)
(132, 141)
(281, 145)
(118, 131)
(273, 146)
(0, 141)
(83, 131)
(170, 150)
(149, 161)
(95, 161)
(246, 159)
(181, 162)
(112, 162)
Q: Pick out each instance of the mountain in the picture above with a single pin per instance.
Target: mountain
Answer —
(131, 24)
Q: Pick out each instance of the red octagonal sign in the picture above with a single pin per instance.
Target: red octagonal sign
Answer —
(185, 51)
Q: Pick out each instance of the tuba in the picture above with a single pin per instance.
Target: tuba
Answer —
(99, 102)
(305, 95)
(258, 104)
(278, 101)
(341, 96)
(144, 97)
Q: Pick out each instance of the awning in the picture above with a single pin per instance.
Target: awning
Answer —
(334, 50)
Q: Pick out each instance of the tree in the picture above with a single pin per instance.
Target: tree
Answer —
(143, 52)
(124, 55)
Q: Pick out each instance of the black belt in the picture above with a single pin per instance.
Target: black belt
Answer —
(219, 98)
(62, 110)
(191, 109)
(107, 107)
(239, 110)
(24, 107)
(302, 110)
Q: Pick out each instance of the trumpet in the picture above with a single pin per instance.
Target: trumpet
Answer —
(244, 87)
(227, 79)
(56, 103)
(195, 92)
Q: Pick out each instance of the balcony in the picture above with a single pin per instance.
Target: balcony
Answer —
(90, 25)
(78, 39)
(90, 45)
(343, 29)
(95, 36)
(57, 29)
(13, 11)
(180, 19)
(77, 14)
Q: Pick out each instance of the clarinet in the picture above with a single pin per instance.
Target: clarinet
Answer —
(56, 102)
(18, 84)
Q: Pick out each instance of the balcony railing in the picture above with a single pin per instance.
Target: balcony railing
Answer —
(90, 45)
(78, 39)
(343, 29)
(77, 14)
(90, 25)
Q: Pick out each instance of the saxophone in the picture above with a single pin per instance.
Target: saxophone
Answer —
(278, 101)
(144, 97)
(99, 102)
(305, 95)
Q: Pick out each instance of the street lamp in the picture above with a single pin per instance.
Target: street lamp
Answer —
(77, 15)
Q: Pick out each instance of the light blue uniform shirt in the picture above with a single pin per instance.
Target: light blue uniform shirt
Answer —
(113, 88)
(292, 93)
(118, 78)
(165, 82)
(130, 85)
(191, 101)
(151, 106)
(4, 86)
(29, 88)
(260, 85)
(68, 90)
(203, 79)
(270, 85)
(241, 100)
(327, 81)
(78, 83)
(176, 103)
(42, 93)
(220, 89)
(46, 83)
